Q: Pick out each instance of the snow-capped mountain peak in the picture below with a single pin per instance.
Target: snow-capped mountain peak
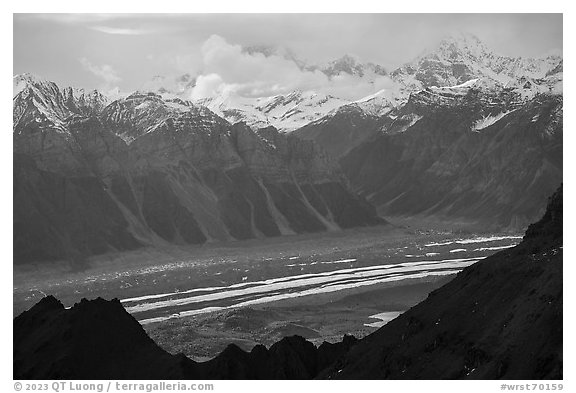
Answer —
(172, 86)
(463, 43)
(463, 57)
(459, 63)
(51, 105)
(286, 112)
(28, 80)
(351, 65)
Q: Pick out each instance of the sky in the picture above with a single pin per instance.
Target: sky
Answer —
(124, 51)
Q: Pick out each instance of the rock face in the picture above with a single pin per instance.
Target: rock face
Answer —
(498, 319)
(149, 171)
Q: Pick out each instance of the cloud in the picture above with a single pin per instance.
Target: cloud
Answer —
(227, 66)
(104, 72)
(70, 18)
(87, 18)
(207, 86)
(120, 30)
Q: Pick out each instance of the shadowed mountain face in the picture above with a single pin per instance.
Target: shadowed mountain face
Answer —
(149, 171)
(476, 157)
(500, 318)
(341, 132)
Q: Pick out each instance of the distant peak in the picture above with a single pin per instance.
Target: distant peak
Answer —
(462, 40)
(138, 94)
(266, 50)
(347, 59)
(295, 93)
(27, 76)
(184, 78)
(28, 80)
(463, 36)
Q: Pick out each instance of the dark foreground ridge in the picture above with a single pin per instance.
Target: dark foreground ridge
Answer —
(500, 318)
(98, 339)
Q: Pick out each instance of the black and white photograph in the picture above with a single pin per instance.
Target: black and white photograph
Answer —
(287, 196)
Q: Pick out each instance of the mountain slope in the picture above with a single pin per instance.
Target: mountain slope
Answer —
(465, 135)
(477, 157)
(498, 319)
(149, 171)
(342, 131)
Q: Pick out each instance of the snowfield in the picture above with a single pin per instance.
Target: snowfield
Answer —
(489, 120)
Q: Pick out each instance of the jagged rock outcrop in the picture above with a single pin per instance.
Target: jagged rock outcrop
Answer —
(150, 171)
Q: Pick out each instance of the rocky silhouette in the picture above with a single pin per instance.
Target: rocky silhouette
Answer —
(98, 339)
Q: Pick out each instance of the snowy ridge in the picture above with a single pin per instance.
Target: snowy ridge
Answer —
(381, 102)
(286, 112)
(487, 121)
(457, 65)
(463, 57)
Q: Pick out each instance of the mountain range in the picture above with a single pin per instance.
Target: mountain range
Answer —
(466, 136)
(458, 59)
(147, 171)
(461, 135)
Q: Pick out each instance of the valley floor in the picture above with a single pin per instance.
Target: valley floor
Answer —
(318, 318)
(197, 300)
